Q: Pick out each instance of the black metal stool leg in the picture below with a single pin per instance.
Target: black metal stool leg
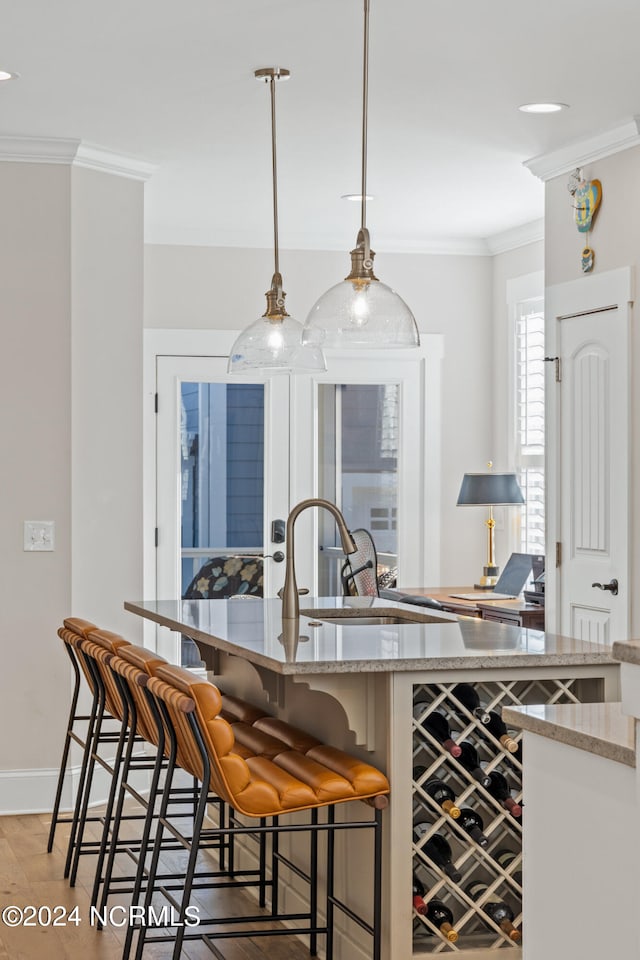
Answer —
(331, 817)
(275, 865)
(195, 841)
(121, 766)
(157, 847)
(377, 887)
(66, 748)
(313, 889)
(154, 792)
(86, 774)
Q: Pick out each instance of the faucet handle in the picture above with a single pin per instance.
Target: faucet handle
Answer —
(301, 591)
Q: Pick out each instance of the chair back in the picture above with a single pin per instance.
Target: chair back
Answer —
(72, 633)
(223, 577)
(359, 572)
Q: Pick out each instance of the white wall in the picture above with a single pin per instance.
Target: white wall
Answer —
(106, 351)
(70, 421)
(223, 288)
(35, 426)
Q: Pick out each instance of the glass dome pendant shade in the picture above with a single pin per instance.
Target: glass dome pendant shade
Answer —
(274, 342)
(361, 311)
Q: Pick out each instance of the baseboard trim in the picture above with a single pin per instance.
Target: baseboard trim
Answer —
(25, 792)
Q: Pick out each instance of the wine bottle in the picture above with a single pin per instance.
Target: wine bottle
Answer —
(419, 892)
(500, 912)
(418, 771)
(442, 793)
(468, 697)
(438, 726)
(471, 821)
(504, 857)
(440, 916)
(469, 760)
(497, 728)
(499, 789)
(437, 849)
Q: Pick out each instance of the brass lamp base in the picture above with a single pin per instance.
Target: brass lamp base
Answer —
(488, 579)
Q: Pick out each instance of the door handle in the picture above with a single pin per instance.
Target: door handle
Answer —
(612, 587)
(277, 557)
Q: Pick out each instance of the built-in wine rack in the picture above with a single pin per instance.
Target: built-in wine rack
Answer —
(495, 861)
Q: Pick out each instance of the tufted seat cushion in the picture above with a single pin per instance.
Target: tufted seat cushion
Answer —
(266, 767)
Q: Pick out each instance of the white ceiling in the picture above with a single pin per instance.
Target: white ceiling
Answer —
(172, 84)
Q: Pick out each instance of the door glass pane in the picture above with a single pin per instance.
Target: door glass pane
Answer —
(358, 470)
(222, 483)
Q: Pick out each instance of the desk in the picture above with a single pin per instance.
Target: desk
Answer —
(518, 613)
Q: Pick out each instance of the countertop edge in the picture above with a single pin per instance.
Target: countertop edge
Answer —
(572, 737)
(627, 651)
(482, 660)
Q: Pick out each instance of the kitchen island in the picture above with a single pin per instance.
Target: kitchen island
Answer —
(350, 671)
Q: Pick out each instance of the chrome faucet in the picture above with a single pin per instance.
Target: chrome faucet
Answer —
(290, 602)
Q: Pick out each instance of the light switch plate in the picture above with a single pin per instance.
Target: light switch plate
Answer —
(39, 535)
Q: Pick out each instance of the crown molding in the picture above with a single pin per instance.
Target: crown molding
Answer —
(157, 234)
(74, 153)
(567, 158)
(516, 237)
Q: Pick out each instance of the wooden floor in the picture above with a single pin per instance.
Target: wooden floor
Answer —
(31, 876)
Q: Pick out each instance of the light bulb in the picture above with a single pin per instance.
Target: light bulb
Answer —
(275, 340)
(360, 307)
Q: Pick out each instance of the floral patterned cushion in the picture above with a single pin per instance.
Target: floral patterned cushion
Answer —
(227, 577)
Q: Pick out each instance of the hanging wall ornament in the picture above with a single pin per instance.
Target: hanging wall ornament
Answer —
(586, 261)
(587, 195)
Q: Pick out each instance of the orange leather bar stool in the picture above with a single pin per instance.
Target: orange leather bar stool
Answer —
(129, 667)
(99, 732)
(98, 657)
(71, 633)
(296, 774)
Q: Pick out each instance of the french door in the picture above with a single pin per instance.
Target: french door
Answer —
(234, 455)
(222, 474)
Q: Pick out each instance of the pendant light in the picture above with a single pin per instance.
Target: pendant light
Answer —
(274, 342)
(361, 311)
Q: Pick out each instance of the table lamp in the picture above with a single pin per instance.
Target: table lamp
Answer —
(489, 490)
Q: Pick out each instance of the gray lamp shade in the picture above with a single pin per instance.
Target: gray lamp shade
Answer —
(489, 489)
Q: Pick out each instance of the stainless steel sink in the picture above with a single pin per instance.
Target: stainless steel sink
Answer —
(365, 617)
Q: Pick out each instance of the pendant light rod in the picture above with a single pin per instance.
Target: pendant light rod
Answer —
(274, 169)
(365, 111)
(360, 312)
(273, 343)
(275, 298)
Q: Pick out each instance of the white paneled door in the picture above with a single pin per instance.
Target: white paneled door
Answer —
(588, 331)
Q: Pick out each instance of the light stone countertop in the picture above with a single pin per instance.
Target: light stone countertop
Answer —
(599, 728)
(253, 629)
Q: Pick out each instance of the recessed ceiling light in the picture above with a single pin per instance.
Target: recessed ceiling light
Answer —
(356, 197)
(542, 107)
(5, 75)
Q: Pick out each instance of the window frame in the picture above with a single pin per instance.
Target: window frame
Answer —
(528, 288)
